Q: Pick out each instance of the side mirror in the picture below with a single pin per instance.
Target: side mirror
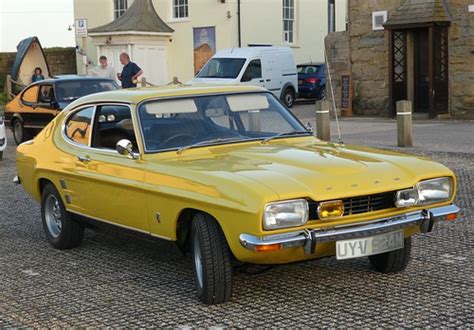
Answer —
(125, 148)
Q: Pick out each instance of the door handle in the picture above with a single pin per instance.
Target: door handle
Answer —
(84, 160)
(269, 80)
(262, 80)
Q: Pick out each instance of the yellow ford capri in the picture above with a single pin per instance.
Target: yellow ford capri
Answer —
(229, 174)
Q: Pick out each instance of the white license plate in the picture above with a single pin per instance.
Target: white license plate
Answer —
(361, 247)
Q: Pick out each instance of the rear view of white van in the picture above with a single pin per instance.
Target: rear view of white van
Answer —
(273, 68)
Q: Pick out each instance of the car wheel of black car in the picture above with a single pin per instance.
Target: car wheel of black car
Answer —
(20, 134)
(322, 94)
(393, 261)
(288, 97)
(211, 260)
(62, 231)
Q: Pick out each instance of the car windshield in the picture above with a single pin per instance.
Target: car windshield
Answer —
(68, 91)
(185, 123)
(311, 69)
(222, 68)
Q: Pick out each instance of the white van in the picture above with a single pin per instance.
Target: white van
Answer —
(273, 68)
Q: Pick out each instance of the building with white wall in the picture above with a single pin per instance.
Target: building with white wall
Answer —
(172, 38)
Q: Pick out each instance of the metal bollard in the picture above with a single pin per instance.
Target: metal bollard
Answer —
(322, 120)
(404, 123)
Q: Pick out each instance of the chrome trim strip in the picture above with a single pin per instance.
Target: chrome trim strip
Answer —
(305, 238)
(121, 226)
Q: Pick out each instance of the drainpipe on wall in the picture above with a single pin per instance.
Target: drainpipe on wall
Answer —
(331, 16)
(239, 26)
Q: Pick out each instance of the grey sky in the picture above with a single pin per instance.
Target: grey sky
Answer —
(46, 19)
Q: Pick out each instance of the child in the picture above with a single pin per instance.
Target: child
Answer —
(38, 75)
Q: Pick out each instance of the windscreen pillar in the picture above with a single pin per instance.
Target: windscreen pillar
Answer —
(322, 120)
(404, 123)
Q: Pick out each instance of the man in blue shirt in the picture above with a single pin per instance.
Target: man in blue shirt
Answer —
(130, 72)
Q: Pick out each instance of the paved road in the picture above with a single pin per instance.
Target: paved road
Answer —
(439, 135)
(115, 279)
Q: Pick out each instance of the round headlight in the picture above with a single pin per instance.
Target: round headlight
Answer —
(285, 214)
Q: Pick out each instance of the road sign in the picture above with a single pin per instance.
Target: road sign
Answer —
(81, 27)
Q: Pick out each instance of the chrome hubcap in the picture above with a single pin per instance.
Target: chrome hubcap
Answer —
(17, 131)
(289, 99)
(198, 262)
(52, 213)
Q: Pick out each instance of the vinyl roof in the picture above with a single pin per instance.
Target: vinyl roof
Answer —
(416, 12)
(140, 17)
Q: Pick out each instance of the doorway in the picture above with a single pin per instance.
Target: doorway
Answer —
(421, 71)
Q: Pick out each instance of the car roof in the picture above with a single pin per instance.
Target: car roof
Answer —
(311, 63)
(245, 52)
(57, 79)
(137, 95)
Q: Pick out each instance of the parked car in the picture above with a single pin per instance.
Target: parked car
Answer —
(312, 81)
(273, 68)
(3, 137)
(33, 108)
(228, 173)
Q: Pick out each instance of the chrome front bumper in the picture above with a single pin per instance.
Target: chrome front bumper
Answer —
(308, 238)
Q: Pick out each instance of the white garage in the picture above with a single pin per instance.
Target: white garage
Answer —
(143, 35)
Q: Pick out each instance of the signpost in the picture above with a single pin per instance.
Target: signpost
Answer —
(81, 32)
(346, 95)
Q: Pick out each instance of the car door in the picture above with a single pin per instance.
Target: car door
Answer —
(107, 186)
(36, 106)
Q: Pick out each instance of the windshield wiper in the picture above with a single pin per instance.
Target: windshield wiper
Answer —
(207, 142)
(266, 140)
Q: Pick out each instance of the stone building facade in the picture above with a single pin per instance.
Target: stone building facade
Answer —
(410, 51)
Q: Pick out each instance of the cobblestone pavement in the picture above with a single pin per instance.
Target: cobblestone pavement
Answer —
(115, 279)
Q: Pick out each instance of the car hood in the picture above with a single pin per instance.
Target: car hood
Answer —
(306, 167)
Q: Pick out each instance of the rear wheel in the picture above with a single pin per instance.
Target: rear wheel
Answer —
(288, 97)
(393, 261)
(20, 134)
(211, 260)
(62, 231)
(322, 94)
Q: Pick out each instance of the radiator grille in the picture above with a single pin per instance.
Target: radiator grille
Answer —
(368, 203)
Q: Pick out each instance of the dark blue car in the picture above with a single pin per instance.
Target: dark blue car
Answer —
(312, 81)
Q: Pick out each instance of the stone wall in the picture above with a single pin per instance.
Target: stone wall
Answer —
(61, 61)
(368, 58)
(461, 60)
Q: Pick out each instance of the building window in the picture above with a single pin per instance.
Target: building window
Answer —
(289, 21)
(120, 7)
(180, 9)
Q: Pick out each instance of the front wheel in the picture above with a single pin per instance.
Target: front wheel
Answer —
(211, 260)
(288, 97)
(62, 231)
(20, 134)
(393, 261)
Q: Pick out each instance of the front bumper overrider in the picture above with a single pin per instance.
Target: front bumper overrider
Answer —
(309, 238)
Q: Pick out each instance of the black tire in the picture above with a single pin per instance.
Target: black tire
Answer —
(1, 155)
(211, 260)
(288, 97)
(322, 93)
(62, 231)
(393, 261)
(20, 134)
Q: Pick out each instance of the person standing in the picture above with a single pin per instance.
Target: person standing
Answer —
(104, 70)
(130, 72)
(38, 75)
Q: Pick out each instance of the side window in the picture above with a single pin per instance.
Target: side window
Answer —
(46, 94)
(30, 95)
(78, 126)
(253, 71)
(113, 123)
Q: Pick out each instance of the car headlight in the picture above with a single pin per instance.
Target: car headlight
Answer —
(425, 192)
(285, 214)
(434, 191)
